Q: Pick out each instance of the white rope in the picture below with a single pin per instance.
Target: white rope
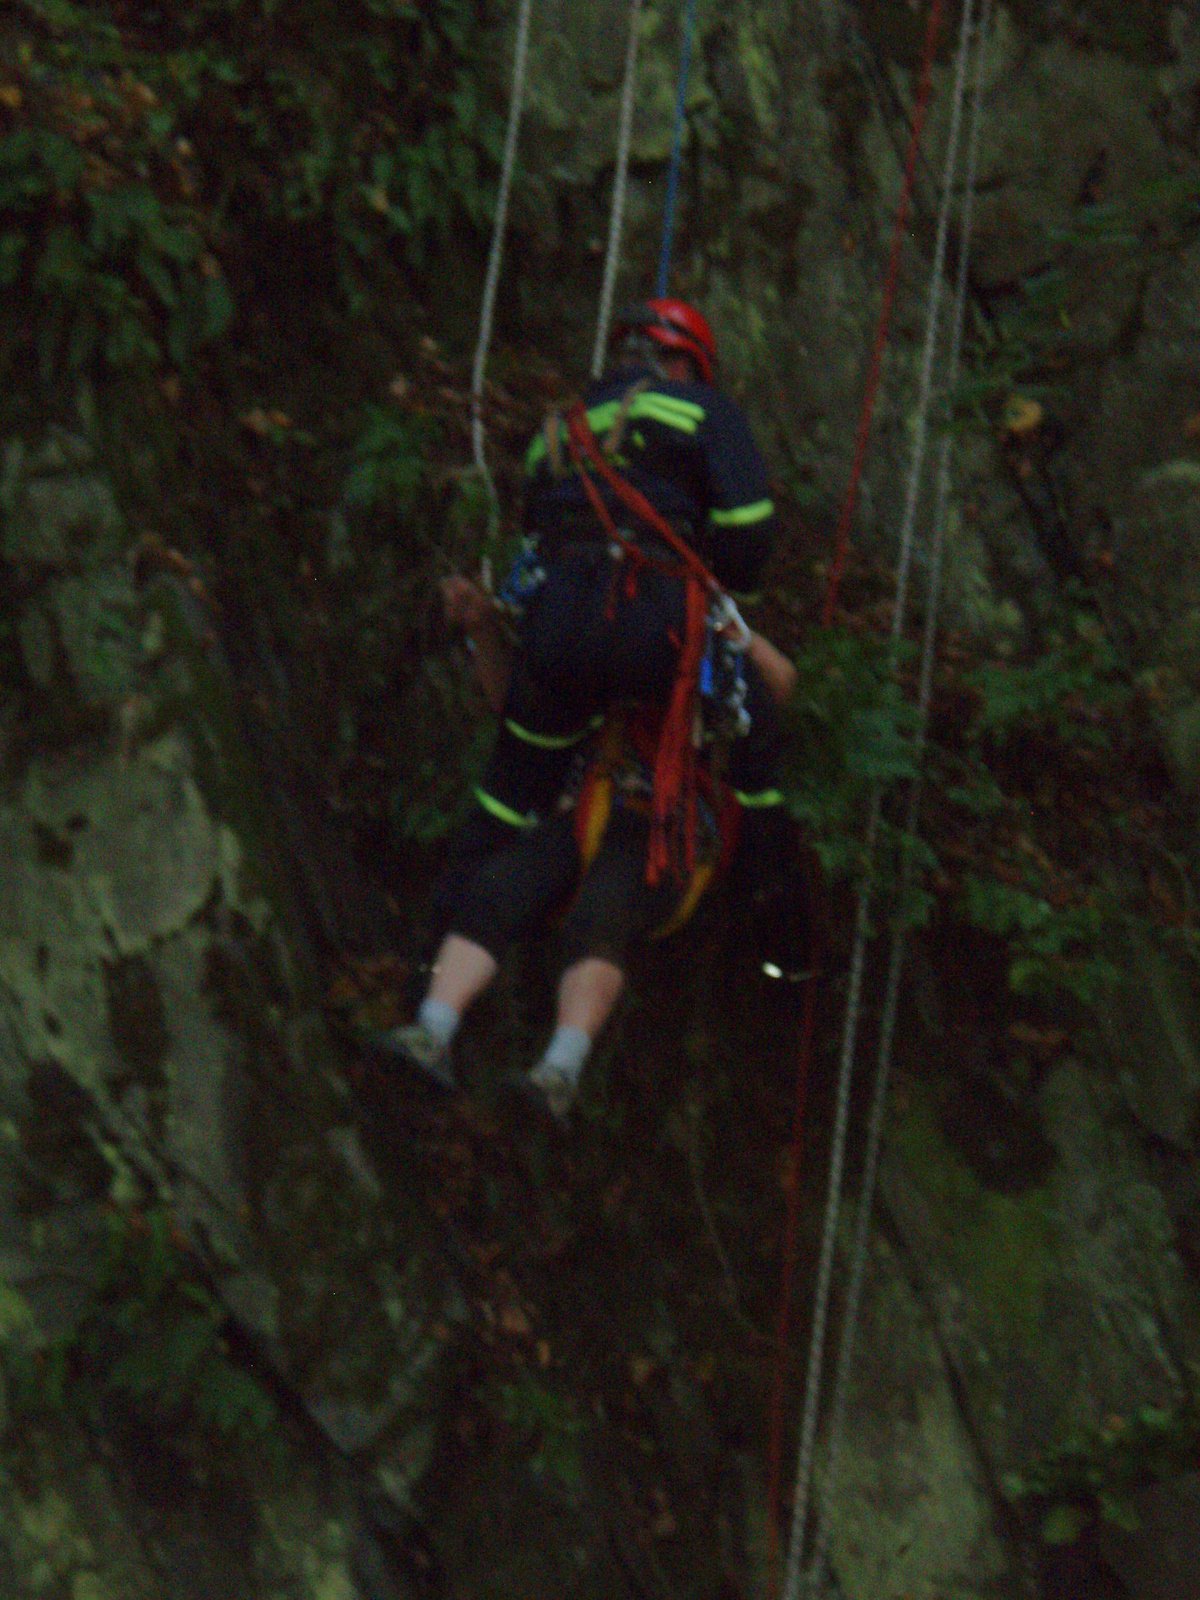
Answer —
(616, 221)
(794, 1575)
(487, 314)
(860, 1247)
(932, 313)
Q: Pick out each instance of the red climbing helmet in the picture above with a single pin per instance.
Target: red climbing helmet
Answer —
(674, 325)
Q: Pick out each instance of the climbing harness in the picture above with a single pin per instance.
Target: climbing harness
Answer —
(616, 221)
(796, 1574)
(672, 820)
(619, 774)
(672, 201)
(491, 284)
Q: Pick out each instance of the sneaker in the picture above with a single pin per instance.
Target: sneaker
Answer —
(415, 1045)
(558, 1089)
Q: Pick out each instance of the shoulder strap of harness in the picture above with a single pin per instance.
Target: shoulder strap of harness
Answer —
(552, 434)
(673, 805)
(615, 437)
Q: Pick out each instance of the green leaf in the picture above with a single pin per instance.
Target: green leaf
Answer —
(159, 276)
(219, 308)
(119, 214)
(1063, 1524)
(235, 1401)
(84, 341)
(1118, 1510)
(160, 123)
(61, 267)
(61, 159)
(17, 149)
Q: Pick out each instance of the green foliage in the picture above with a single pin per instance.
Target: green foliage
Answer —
(363, 118)
(1026, 341)
(853, 729)
(437, 789)
(389, 460)
(157, 1335)
(1052, 950)
(108, 270)
(853, 738)
(1010, 349)
(1155, 213)
(1068, 691)
(1093, 1478)
(150, 156)
(548, 1423)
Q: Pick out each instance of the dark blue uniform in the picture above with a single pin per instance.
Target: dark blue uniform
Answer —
(587, 643)
(589, 638)
(688, 448)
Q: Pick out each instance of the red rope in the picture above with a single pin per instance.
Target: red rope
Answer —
(776, 1407)
(673, 803)
(584, 442)
(866, 417)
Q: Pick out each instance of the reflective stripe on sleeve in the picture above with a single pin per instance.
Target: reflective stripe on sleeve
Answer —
(759, 801)
(743, 516)
(672, 412)
(502, 813)
(547, 741)
(681, 414)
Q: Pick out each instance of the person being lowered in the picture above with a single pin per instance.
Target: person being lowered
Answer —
(646, 507)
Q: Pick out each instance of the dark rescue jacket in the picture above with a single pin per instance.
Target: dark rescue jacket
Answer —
(687, 447)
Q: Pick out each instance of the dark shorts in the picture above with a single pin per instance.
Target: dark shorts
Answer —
(504, 884)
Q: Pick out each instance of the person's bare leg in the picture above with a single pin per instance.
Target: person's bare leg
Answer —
(462, 970)
(587, 993)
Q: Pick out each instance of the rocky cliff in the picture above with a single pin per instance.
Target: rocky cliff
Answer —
(275, 1330)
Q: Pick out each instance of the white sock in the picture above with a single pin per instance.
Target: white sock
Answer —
(566, 1053)
(439, 1020)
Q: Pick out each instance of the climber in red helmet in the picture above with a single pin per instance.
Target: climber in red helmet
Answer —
(676, 327)
(602, 624)
(598, 627)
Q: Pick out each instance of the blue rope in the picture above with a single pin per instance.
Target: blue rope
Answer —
(685, 67)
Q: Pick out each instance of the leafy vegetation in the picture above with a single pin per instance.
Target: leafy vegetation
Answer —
(154, 1334)
(1069, 691)
(1026, 342)
(547, 1423)
(997, 852)
(149, 153)
(854, 732)
(1052, 949)
(1094, 1478)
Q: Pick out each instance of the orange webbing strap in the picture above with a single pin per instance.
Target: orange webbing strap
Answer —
(630, 741)
(673, 804)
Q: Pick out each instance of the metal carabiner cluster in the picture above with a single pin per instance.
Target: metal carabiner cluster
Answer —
(723, 684)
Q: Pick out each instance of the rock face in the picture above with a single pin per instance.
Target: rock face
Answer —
(160, 1048)
(1083, 270)
(1000, 1325)
(162, 1051)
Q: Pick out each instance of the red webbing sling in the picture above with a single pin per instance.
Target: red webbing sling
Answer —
(673, 802)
